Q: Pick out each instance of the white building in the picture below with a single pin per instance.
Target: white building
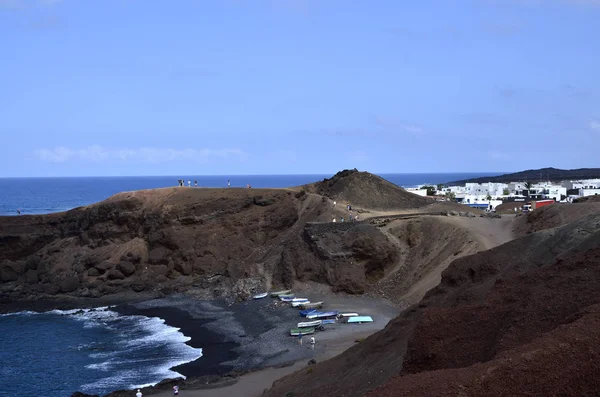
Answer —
(589, 192)
(420, 192)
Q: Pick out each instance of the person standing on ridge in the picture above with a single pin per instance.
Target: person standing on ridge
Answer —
(228, 183)
(189, 183)
(195, 183)
(175, 390)
(138, 394)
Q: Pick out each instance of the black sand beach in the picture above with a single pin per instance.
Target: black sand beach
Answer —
(253, 336)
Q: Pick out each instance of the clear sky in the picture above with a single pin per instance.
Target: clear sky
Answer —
(132, 87)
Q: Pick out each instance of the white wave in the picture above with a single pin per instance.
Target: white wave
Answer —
(23, 313)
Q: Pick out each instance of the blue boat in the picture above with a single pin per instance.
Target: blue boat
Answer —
(304, 313)
(287, 298)
(360, 319)
(319, 315)
(330, 321)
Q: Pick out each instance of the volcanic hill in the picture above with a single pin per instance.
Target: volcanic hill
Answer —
(365, 190)
(519, 319)
(218, 242)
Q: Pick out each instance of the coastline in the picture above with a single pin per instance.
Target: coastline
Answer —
(246, 345)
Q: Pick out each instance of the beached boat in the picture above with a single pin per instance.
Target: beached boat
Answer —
(328, 321)
(277, 293)
(304, 313)
(321, 315)
(296, 302)
(285, 298)
(360, 319)
(313, 305)
(347, 315)
(302, 331)
(305, 324)
(260, 296)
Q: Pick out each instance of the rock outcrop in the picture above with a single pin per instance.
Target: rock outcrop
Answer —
(222, 242)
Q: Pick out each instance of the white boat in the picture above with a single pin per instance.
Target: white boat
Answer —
(260, 296)
(305, 324)
(297, 304)
(303, 300)
(347, 315)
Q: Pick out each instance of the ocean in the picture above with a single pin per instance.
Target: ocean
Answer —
(45, 195)
(55, 353)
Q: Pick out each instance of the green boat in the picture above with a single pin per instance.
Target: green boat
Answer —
(302, 331)
(277, 293)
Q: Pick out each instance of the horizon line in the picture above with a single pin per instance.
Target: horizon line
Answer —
(246, 175)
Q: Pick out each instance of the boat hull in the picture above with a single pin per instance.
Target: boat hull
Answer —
(309, 305)
(308, 324)
(260, 296)
(277, 293)
(302, 331)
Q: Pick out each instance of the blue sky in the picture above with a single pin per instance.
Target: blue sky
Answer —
(132, 87)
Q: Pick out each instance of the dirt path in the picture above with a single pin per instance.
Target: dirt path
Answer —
(420, 264)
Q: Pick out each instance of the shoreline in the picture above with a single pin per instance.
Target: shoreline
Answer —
(246, 345)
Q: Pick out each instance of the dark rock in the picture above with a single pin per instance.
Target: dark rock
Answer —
(184, 268)
(31, 277)
(80, 394)
(10, 271)
(68, 284)
(104, 266)
(93, 272)
(114, 274)
(312, 361)
(161, 278)
(127, 268)
(138, 287)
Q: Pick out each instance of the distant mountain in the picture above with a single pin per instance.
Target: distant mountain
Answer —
(542, 174)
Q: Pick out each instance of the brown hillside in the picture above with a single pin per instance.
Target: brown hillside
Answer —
(365, 190)
(494, 307)
(218, 242)
(553, 216)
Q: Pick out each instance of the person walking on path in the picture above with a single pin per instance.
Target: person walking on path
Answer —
(138, 394)
(312, 342)
(300, 339)
(175, 390)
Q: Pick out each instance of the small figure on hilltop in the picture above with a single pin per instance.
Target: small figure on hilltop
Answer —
(195, 183)
(138, 394)
(334, 220)
(189, 183)
(342, 219)
(334, 203)
(228, 183)
(175, 390)
(18, 211)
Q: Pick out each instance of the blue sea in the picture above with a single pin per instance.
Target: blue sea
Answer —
(97, 351)
(56, 353)
(45, 195)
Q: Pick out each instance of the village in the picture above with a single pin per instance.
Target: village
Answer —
(524, 195)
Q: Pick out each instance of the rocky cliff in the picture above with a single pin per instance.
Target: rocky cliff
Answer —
(220, 242)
